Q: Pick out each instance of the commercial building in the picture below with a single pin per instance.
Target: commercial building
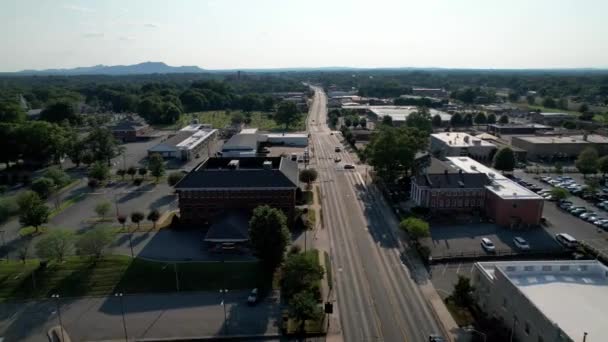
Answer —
(187, 144)
(130, 129)
(550, 118)
(430, 92)
(450, 144)
(241, 145)
(219, 185)
(463, 184)
(517, 129)
(520, 154)
(286, 139)
(546, 147)
(397, 113)
(545, 301)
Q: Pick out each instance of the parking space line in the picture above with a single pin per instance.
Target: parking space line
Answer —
(458, 269)
(472, 266)
(444, 269)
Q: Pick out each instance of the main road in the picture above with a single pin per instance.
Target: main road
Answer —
(377, 285)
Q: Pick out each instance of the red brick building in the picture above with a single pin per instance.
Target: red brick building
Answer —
(130, 130)
(219, 185)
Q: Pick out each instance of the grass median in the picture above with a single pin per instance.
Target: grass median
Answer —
(82, 276)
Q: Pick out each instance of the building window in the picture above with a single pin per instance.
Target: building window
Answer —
(547, 268)
(527, 328)
(504, 303)
(529, 268)
(564, 268)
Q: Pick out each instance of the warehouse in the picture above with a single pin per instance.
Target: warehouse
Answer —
(187, 144)
(546, 147)
(287, 139)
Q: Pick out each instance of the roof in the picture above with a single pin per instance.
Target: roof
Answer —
(232, 226)
(438, 166)
(397, 113)
(241, 142)
(214, 173)
(195, 139)
(459, 139)
(555, 115)
(534, 125)
(249, 131)
(592, 138)
(552, 139)
(128, 125)
(573, 294)
(486, 136)
(172, 142)
(453, 180)
(498, 184)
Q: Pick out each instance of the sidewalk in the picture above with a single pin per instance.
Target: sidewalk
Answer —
(146, 316)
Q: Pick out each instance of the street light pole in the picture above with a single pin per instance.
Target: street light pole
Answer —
(223, 292)
(122, 309)
(56, 296)
(584, 336)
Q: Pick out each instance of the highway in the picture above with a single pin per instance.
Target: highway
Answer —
(378, 295)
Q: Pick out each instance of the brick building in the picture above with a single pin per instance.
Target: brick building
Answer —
(130, 130)
(219, 185)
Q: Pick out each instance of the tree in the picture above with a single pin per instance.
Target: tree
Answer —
(301, 272)
(531, 100)
(32, 210)
(99, 171)
(93, 183)
(269, 235)
(308, 176)
(462, 294)
(387, 120)
(363, 123)
(302, 307)
(94, 242)
(513, 97)
(137, 217)
(504, 159)
(415, 227)
(348, 122)
(503, 120)
(58, 176)
(60, 111)
(559, 193)
(174, 178)
(392, 151)
(156, 165)
(287, 113)
(122, 219)
(421, 120)
(491, 119)
(602, 165)
(142, 171)
(11, 112)
(237, 119)
(584, 108)
(55, 245)
(153, 217)
(121, 173)
(131, 171)
(480, 119)
(587, 161)
(468, 120)
(102, 144)
(549, 102)
(456, 120)
(43, 186)
(103, 208)
(436, 121)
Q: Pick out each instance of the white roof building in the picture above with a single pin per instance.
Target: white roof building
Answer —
(546, 300)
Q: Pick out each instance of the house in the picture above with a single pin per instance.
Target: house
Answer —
(550, 301)
(130, 129)
(218, 185)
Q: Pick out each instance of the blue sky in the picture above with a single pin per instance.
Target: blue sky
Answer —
(218, 34)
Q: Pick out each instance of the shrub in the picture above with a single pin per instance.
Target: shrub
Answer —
(43, 186)
(174, 178)
(93, 183)
(59, 177)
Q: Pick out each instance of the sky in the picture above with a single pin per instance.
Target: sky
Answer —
(232, 34)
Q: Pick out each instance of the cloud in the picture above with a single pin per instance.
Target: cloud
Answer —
(78, 8)
(150, 25)
(93, 35)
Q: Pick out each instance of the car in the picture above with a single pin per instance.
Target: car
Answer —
(545, 178)
(535, 188)
(253, 297)
(488, 245)
(338, 149)
(591, 218)
(337, 159)
(349, 166)
(577, 210)
(553, 181)
(604, 226)
(436, 338)
(565, 206)
(600, 221)
(566, 240)
(521, 243)
(585, 215)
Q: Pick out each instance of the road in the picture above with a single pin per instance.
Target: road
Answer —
(378, 297)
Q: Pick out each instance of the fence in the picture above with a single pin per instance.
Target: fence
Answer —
(500, 254)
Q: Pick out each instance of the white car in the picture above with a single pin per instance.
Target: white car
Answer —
(592, 218)
(253, 297)
(488, 245)
(585, 215)
(600, 221)
(521, 243)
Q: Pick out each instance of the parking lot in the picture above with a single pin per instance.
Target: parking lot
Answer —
(444, 276)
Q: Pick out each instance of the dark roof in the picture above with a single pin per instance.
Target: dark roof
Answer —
(214, 173)
(232, 226)
(241, 141)
(438, 166)
(178, 138)
(128, 125)
(452, 180)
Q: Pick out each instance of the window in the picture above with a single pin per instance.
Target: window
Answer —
(547, 268)
(504, 303)
(564, 268)
(529, 268)
(527, 328)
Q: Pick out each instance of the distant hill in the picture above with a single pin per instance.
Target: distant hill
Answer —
(135, 69)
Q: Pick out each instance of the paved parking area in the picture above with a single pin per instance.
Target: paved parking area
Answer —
(135, 153)
(444, 276)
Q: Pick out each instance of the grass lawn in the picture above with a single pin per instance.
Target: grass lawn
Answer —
(328, 274)
(312, 218)
(78, 276)
(221, 119)
(307, 196)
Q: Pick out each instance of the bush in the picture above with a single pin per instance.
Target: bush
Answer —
(43, 186)
(138, 181)
(295, 249)
(8, 208)
(174, 178)
(59, 177)
(93, 183)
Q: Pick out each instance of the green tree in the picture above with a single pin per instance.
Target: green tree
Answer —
(602, 165)
(58, 176)
(549, 102)
(156, 165)
(303, 307)
(237, 119)
(363, 123)
(55, 245)
(132, 171)
(456, 120)
(300, 272)
(462, 294)
(468, 120)
(480, 119)
(102, 144)
(43, 186)
(491, 119)
(32, 210)
(153, 217)
(504, 159)
(121, 173)
(531, 100)
(287, 113)
(559, 193)
(269, 235)
(174, 178)
(513, 97)
(60, 111)
(503, 120)
(11, 112)
(436, 121)
(387, 120)
(308, 176)
(142, 171)
(102, 209)
(348, 122)
(584, 108)
(415, 227)
(421, 120)
(587, 161)
(122, 219)
(8, 208)
(392, 150)
(99, 171)
(94, 241)
(137, 217)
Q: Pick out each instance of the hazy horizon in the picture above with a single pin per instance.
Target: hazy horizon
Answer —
(273, 34)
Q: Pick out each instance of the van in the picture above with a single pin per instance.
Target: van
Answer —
(566, 240)
(294, 156)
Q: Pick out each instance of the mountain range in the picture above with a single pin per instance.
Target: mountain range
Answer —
(134, 69)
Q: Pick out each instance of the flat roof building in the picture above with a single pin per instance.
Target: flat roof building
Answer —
(398, 113)
(517, 129)
(187, 144)
(450, 144)
(545, 300)
(549, 146)
(551, 118)
(241, 145)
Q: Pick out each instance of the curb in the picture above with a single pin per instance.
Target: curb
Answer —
(200, 338)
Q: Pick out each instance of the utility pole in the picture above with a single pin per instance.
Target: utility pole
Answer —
(176, 276)
(585, 336)
(56, 296)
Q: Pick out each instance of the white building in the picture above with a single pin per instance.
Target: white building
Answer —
(187, 144)
(545, 301)
(454, 144)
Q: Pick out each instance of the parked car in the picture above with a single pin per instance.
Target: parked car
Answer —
(349, 166)
(436, 338)
(592, 218)
(253, 297)
(566, 240)
(585, 215)
(337, 159)
(600, 221)
(521, 243)
(488, 245)
(577, 210)
(338, 149)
